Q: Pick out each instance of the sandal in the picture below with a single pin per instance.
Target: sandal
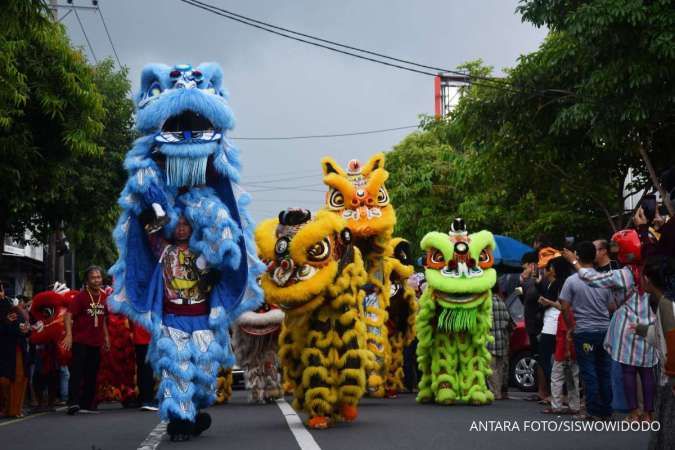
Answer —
(555, 411)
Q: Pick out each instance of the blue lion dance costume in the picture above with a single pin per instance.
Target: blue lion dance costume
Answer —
(183, 172)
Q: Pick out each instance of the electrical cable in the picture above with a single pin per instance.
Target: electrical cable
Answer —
(316, 44)
(65, 15)
(91, 49)
(338, 44)
(105, 26)
(499, 83)
(322, 136)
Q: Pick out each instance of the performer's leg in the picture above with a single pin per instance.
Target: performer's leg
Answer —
(206, 357)
(320, 395)
(445, 378)
(91, 362)
(352, 364)
(76, 369)
(176, 389)
(291, 342)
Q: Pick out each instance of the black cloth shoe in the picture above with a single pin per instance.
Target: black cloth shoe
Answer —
(202, 423)
(72, 409)
(179, 430)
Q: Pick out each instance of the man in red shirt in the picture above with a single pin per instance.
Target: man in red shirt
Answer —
(86, 332)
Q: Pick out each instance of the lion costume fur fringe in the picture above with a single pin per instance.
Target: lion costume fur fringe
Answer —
(322, 345)
(455, 317)
(359, 195)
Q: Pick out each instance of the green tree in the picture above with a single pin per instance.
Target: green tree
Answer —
(547, 149)
(100, 178)
(50, 113)
(615, 62)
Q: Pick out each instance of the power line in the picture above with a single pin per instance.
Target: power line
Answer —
(316, 44)
(105, 26)
(65, 15)
(322, 136)
(91, 49)
(265, 26)
(317, 174)
(290, 188)
(226, 13)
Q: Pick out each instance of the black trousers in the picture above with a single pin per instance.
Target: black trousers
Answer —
(144, 376)
(410, 369)
(83, 372)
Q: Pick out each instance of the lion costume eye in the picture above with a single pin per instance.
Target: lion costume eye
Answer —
(305, 272)
(435, 259)
(47, 312)
(382, 196)
(336, 200)
(319, 251)
(154, 90)
(485, 260)
(281, 246)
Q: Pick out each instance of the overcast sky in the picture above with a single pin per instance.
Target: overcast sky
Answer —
(280, 87)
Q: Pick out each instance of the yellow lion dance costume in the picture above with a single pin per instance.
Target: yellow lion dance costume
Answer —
(315, 278)
(359, 196)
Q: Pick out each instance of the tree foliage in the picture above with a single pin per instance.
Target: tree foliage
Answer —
(65, 126)
(547, 150)
(101, 177)
(50, 112)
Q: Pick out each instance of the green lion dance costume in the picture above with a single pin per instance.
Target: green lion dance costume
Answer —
(359, 196)
(315, 278)
(453, 325)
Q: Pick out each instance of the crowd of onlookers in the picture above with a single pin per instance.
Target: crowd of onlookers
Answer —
(31, 374)
(600, 316)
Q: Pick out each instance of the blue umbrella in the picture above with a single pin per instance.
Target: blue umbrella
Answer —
(509, 251)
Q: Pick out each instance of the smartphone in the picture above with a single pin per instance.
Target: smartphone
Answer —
(648, 205)
(569, 242)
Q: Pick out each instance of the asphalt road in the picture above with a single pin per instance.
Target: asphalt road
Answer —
(382, 424)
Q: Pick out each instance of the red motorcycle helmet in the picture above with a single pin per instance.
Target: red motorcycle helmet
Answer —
(628, 243)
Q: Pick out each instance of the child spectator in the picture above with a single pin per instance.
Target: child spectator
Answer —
(565, 372)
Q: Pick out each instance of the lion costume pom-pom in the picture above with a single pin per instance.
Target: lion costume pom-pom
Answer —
(315, 278)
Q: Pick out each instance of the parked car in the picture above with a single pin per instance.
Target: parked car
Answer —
(238, 380)
(522, 363)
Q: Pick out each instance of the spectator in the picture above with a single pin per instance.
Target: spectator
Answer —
(533, 316)
(14, 329)
(86, 332)
(410, 369)
(658, 279)
(565, 372)
(499, 348)
(144, 375)
(591, 320)
(46, 375)
(557, 270)
(633, 351)
(603, 263)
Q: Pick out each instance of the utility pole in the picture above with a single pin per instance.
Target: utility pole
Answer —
(55, 9)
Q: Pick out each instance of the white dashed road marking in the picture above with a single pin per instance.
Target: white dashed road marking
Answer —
(154, 438)
(302, 436)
